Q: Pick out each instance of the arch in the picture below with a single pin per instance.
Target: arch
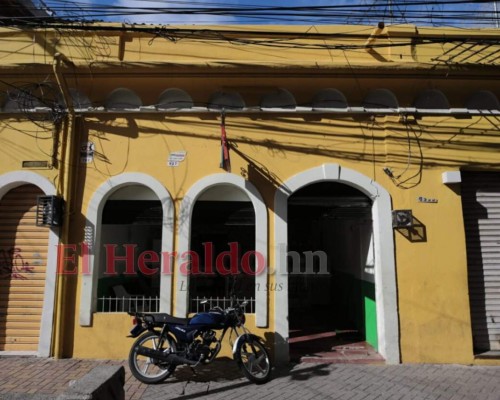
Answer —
(432, 99)
(279, 99)
(327, 99)
(483, 100)
(385, 274)
(380, 98)
(10, 181)
(19, 101)
(226, 100)
(186, 211)
(79, 99)
(174, 99)
(93, 235)
(123, 99)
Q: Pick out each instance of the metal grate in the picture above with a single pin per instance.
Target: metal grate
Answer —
(49, 211)
(222, 302)
(128, 304)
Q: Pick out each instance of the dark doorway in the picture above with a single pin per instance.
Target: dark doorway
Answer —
(330, 266)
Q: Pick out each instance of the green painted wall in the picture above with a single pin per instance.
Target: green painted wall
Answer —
(355, 306)
(370, 313)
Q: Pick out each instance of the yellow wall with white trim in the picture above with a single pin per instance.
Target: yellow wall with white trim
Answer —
(431, 275)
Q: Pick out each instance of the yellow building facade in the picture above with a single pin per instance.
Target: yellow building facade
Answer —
(354, 170)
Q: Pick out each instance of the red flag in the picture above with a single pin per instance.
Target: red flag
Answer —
(225, 162)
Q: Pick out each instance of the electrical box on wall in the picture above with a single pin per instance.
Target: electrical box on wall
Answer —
(49, 211)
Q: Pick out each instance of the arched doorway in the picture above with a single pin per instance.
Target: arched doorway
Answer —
(383, 251)
(222, 260)
(331, 287)
(23, 269)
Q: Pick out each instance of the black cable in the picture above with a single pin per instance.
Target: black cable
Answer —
(322, 13)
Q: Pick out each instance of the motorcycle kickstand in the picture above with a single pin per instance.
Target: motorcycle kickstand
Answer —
(195, 365)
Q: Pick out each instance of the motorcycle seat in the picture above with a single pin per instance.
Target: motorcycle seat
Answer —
(164, 318)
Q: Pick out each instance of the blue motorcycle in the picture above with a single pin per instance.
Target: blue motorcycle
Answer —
(165, 342)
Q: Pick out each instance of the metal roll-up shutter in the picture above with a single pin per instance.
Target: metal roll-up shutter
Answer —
(23, 258)
(481, 207)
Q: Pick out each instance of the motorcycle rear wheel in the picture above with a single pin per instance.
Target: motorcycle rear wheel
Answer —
(146, 369)
(253, 359)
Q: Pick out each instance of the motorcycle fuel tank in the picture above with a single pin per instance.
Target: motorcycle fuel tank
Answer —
(212, 318)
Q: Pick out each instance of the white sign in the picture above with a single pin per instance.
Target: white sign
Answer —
(175, 158)
(87, 150)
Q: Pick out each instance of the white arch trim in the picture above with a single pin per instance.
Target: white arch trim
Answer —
(93, 236)
(10, 181)
(385, 273)
(182, 288)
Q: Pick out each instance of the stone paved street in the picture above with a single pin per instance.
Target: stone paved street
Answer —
(222, 380)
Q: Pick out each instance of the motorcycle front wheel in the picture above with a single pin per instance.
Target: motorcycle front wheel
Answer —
(253, 359)
(147, 369)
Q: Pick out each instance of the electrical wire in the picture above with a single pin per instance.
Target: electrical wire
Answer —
(279, 39)
(453, 12)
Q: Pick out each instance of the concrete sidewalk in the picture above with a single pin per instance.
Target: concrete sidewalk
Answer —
(221, 380)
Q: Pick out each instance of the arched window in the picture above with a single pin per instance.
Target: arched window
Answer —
(227, 101)
(329, 99)
(129, 266)
(483, 100)
(173, 98)
(432, 99)
(279, 99)
(123, 99)
(380, 98)
(222, 262)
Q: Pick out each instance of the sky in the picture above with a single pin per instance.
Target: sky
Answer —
(423, 12)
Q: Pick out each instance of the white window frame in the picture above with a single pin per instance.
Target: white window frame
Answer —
(93, 237)
(261, 245)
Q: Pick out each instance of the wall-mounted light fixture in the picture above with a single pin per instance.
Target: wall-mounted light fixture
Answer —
(451, 177)
(402, 219)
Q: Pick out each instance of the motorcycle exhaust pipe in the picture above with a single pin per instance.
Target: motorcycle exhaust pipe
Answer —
(173, 359)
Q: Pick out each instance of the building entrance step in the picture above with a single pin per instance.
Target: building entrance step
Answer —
(343, 347)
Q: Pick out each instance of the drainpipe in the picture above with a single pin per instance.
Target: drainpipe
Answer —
(66, 179)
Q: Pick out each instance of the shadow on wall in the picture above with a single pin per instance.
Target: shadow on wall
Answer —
(416, 233)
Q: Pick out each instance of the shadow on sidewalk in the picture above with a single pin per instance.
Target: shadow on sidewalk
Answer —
(225, 373)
